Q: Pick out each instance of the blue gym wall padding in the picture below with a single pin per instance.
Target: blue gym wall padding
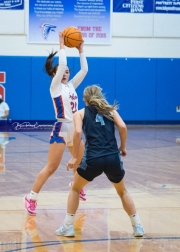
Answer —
(147, 90)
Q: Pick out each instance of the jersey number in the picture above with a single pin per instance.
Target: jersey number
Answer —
(74, 107)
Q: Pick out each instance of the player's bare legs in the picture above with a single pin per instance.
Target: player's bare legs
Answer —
(67, 228)
(73, 198)
(129, 207)
(82, 193)
(126, 199)
(55, 154)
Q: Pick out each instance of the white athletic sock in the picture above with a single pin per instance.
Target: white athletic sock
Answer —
(33, 195)
(69, 220)
(135, 219)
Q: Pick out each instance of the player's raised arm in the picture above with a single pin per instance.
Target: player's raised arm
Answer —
(60, 69)
(78, 118)
(78, 78)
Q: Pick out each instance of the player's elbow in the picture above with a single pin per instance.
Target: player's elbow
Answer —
(123, 127)
(77, 132)
(85, 71)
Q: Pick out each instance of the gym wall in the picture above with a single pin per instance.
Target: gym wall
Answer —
(140, 69)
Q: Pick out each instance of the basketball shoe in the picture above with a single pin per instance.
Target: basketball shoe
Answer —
(138, 230)
(30, 206)
(82, 194)
(65, 230)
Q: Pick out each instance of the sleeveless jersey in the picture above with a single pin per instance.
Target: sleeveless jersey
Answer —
(64, 96)
(99, 133)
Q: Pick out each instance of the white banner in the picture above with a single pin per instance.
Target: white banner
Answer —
(91, 17)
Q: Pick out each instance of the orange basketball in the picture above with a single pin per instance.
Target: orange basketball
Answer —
(72, 36)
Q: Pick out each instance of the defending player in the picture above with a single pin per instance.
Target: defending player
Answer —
(101, 154)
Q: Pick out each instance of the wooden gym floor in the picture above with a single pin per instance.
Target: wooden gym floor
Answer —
(152, 177)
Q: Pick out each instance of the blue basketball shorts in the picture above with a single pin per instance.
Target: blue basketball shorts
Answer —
(111, 165)
(62, 132)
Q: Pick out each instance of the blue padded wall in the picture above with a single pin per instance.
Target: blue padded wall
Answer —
(41, 103)
(168, 89)
(136, 88)
(18, 85)
(101, 71)
(147, 90)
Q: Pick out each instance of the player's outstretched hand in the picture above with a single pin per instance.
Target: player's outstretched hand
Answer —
(122, 151)
(80, 47)
(71, 164)
(61, 40)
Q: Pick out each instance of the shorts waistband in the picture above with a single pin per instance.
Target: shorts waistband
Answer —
(59, 120)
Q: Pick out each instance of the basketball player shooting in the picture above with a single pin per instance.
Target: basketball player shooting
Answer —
(65, 102)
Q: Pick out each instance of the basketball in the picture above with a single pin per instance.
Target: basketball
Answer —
(72, 36)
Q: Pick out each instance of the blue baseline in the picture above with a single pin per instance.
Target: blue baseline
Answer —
(52, 243)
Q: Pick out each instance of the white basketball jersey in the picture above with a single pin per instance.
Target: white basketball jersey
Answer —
(64, 96)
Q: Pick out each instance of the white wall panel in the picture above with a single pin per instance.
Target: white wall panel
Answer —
(132, 25)
(167, 25)
(121, 47)
(145, 47)
(12, 21)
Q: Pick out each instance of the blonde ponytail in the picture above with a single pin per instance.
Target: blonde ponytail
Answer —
(94, 97)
